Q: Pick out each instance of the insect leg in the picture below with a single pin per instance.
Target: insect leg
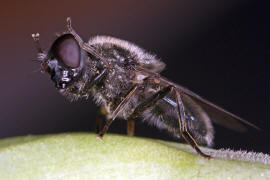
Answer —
(130, 127)
(118, 109)
(183, 127)
(149, 102)
(100, 115)
(101, 111)
(98, 121)
(94, 81)
(73, 32)
(85, 46)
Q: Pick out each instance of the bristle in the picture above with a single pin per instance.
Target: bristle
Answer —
(241, 155)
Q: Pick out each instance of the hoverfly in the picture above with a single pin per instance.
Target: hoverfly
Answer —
(125, 82)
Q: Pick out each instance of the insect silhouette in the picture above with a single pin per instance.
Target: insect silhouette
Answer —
(125, 82)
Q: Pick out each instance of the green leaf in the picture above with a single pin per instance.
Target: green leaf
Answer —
(82, 156)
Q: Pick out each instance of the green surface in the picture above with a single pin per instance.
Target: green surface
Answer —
(82, 156)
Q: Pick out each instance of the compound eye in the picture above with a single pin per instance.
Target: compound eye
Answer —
(67, 50)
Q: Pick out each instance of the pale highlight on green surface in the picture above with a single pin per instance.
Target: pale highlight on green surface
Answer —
(82, 156)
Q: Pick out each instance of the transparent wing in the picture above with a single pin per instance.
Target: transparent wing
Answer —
(217, 114)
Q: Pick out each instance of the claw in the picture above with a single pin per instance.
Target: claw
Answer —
(99, 137)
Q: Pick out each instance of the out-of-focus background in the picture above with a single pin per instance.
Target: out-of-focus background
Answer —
(220, 49)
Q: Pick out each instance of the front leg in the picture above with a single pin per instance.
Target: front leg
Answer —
(102, 110)
(94, 81)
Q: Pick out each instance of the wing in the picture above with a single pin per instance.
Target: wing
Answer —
(216, 113)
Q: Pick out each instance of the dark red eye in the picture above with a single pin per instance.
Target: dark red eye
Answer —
(67, 50)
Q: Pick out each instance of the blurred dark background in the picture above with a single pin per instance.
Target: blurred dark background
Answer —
(220, 49)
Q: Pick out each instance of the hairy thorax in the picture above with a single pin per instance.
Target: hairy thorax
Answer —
(121, 76)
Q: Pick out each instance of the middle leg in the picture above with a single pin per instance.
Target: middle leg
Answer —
(149, 102)
(130, 127)
(118, 109)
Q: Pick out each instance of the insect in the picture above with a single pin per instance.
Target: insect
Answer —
(125, 82)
